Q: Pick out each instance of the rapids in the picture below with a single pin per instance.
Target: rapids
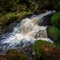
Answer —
(25, 33)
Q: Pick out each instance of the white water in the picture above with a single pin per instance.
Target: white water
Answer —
(26, 33)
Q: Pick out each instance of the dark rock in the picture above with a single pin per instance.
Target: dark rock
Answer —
(45, 20)
(10, 27)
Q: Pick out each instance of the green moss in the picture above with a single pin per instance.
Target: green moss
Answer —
(10, 14)
(22, 14)
(55, 20)
(6, 18)
(39, 48)
(10, 17)
(54, 33)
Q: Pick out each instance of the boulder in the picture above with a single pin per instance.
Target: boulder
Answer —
(45, 20)
(10, 27)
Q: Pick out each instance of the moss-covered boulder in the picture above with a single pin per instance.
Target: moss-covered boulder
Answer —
(55, 20)
(11, 17)
(46, 51)
(40, 48)
(54, 33)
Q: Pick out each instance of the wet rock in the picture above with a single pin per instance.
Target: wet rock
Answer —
(7, 29)
(46, 19)
(10, 27)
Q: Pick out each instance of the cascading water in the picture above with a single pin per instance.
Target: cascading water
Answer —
(25, 33)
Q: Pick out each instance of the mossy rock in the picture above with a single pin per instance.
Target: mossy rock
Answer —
(54, 33)
(7, 17)
(11, 17)
(22, 15)
(55, 20)
(15, 55)
(40, 48)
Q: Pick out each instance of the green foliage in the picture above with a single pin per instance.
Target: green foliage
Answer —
(55, 20)
(15, 55)
(54, 33)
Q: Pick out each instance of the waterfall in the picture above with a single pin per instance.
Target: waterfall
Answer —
(25, 33)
